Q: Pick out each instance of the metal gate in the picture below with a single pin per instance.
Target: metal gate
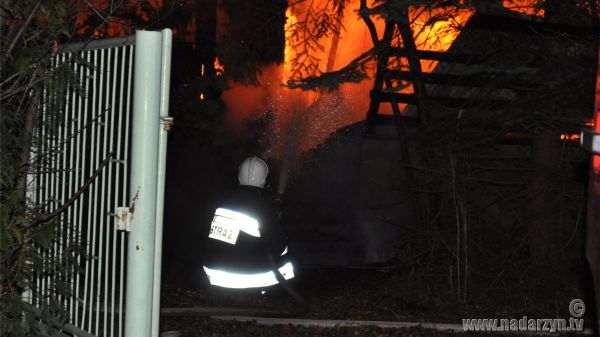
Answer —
(101, 158)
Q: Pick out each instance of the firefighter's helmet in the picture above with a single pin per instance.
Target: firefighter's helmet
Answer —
(253, 171)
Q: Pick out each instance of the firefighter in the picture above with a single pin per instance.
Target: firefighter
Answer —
(246, 245)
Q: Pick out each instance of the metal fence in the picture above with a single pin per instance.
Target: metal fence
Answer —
(87, 134)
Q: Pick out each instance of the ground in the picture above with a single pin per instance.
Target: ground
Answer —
(358, 294)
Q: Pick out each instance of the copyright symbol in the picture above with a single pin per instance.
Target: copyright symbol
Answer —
(577, 308)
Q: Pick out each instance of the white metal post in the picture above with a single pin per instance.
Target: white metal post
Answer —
(143, 183)
(162, 160)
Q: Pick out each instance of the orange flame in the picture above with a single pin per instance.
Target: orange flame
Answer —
(219, 68)
(323, 113)
(590, 123)
(529, 7)
(289, 52)
(439, 36)
(433, 29)
(570, 136)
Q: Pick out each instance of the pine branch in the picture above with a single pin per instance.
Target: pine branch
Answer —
(354, 72)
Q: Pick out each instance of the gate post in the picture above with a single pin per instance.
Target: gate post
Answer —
(143, 183)
(162, 161)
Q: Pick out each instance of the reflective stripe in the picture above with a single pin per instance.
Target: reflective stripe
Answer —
(240, 221)
(284, 251)
(240, 281)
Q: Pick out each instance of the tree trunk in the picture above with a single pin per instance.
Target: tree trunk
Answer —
(31, 113)
(543, 192)
(206, 35)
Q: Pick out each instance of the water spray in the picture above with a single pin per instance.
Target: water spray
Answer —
(290, 151)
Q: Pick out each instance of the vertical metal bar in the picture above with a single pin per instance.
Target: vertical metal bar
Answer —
(64, 226)
(107, 186)
(160, 183)
(144, 156)
(95, 295)
(101, 183)
(81, 161)
(113, 186)
(43, 192)
(89, 266)
(72, 212)
(53, 153)
(46, 174)
(49, 158)
(53, 132)
(52, 177)
(126, 156)
(56, 155)
(55, 183)
(71, 190)
(117, 200)
(65, 140)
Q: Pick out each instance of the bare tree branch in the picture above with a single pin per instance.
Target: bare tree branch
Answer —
(47, 218)
(22, 30)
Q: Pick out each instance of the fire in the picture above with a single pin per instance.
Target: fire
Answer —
(289, 51)
(323, 113)
(576, 136)
(570, 136)
(440, 35)
(434, 29)
(219, 68)
(529, 7)
(318, 114)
